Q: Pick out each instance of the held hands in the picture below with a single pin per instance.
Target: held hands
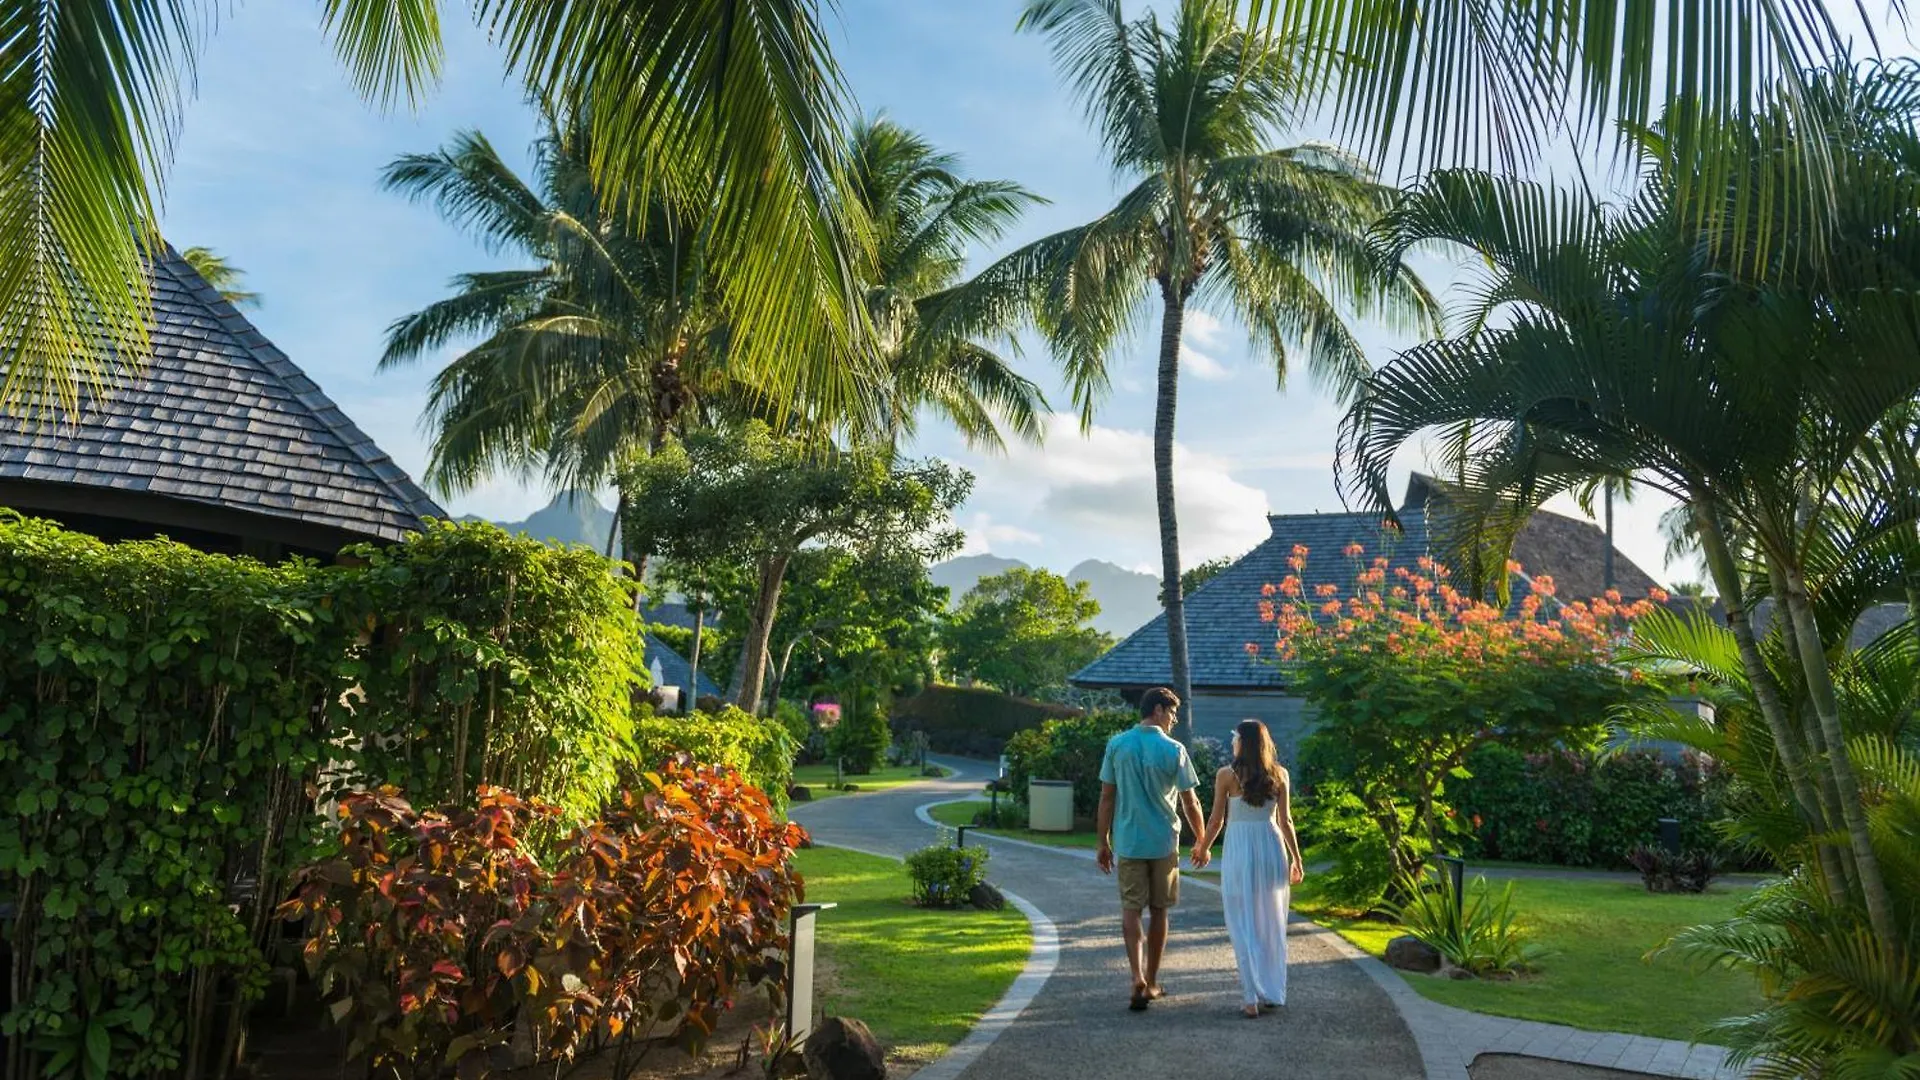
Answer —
(1202, 855)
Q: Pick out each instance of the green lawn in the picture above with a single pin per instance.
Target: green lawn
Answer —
(818, 779)
(919, 978)
(1596, 934)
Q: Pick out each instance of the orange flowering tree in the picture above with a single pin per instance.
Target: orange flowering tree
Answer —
(1408, 675)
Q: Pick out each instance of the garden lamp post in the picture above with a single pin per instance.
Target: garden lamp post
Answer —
(1456, 876)
(800, 936)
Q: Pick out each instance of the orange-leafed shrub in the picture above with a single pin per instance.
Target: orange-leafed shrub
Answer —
(443, 944)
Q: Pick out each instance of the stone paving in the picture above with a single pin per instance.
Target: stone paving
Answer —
(1349, 1015)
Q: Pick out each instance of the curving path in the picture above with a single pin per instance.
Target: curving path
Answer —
(1338, 1022)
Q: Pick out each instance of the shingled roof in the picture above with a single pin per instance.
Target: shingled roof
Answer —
(674, 668)
(1223, 615)
(220, 423)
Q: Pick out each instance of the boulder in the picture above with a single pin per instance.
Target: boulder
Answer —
(800, 793)
(842, 1048)
(986, 897)
(1409, 953)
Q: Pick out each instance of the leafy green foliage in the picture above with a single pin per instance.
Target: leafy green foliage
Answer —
(971, 721)
(1068, 749)
(760, 750)
(1579, 808)
(860, 740)
(439, 941)
(167, 718)
(1023, 631)
(1336, 825)
(1477, 932)
(943, 876)
(751, 498)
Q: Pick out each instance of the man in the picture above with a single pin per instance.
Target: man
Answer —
(1146, 790)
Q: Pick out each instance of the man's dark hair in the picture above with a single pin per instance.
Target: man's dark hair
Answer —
(1151, 701)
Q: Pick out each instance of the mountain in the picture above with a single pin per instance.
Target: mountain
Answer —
(1127, 598)
(961, 574)
(573, 517)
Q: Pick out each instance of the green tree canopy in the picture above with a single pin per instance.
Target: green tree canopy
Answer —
(749, 496)
(1024, 631)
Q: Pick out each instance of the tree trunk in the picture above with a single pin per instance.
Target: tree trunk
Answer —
(1167, 396)
(1826, 706)
(753, 654)
(1766, 692)
(693, 655)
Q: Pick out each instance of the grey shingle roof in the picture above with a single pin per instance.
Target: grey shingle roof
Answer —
(1223, 615)
(674, 668)
(222, 417)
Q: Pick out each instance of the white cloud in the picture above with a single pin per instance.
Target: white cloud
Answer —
(1095, 492)
(1200, 337)
(985, 535)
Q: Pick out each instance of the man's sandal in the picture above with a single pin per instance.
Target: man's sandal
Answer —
(1138, 1003)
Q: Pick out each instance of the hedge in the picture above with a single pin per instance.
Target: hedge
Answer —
(759, 749)
(1573, 808)
(171, 723)
(970, 721)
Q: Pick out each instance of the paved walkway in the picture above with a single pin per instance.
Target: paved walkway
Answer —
(1347, 1015)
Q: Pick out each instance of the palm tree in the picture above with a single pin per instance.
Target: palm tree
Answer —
(922, 215)
(593, 354)
(226, 278)
(1771, 404)
(1189, 114)
(732, 106)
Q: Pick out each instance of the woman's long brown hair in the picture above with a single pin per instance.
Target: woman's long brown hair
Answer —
(1255, 766)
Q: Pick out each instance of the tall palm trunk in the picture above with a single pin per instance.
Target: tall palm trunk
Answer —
(1607, 568)
(1766, 691)
(753, 657)
(1167, 394)
(1826, 706)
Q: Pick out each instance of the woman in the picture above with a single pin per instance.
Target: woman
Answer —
(1251, 802)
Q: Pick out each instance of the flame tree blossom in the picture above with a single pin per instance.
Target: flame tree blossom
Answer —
(1407, 675)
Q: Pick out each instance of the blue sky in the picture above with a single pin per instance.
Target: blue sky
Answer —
(277, 165)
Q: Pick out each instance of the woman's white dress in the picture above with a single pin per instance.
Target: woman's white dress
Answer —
(1254, 891)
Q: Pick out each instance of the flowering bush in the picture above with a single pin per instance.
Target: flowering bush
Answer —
(442, 943)
(945, 876)
(1408, 675)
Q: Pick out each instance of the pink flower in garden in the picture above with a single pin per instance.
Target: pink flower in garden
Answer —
(1325, 590)
(1268, 589)
(1252, 649)
(1658, 595)
(1353, 551)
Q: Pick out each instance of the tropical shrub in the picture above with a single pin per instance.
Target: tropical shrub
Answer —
(1069, 749)
(944, 876)
(1666, 871)
(167, 715)
(443, 946)
(1408, 679)
(1335, 825)
(1477, 933)
(1581, 807)
(860, 740)
(971, 721)
(761, 750)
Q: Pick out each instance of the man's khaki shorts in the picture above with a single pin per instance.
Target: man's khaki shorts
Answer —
(1148, 883)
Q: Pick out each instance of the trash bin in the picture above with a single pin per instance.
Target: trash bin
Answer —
(1050, 805)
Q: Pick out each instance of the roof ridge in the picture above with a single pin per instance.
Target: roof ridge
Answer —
(303, 388)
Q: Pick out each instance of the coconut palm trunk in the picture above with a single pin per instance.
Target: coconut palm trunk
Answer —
(1166, 403)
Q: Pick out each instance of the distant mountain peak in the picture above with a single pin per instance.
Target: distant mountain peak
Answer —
(572, 517)
(1127, 598)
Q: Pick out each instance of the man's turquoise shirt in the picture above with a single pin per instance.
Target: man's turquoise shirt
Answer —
(1148, 769)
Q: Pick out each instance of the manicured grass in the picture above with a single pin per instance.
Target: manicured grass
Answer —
(919, 978)
(961, 813)
(818, 779)
(1593, 975)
